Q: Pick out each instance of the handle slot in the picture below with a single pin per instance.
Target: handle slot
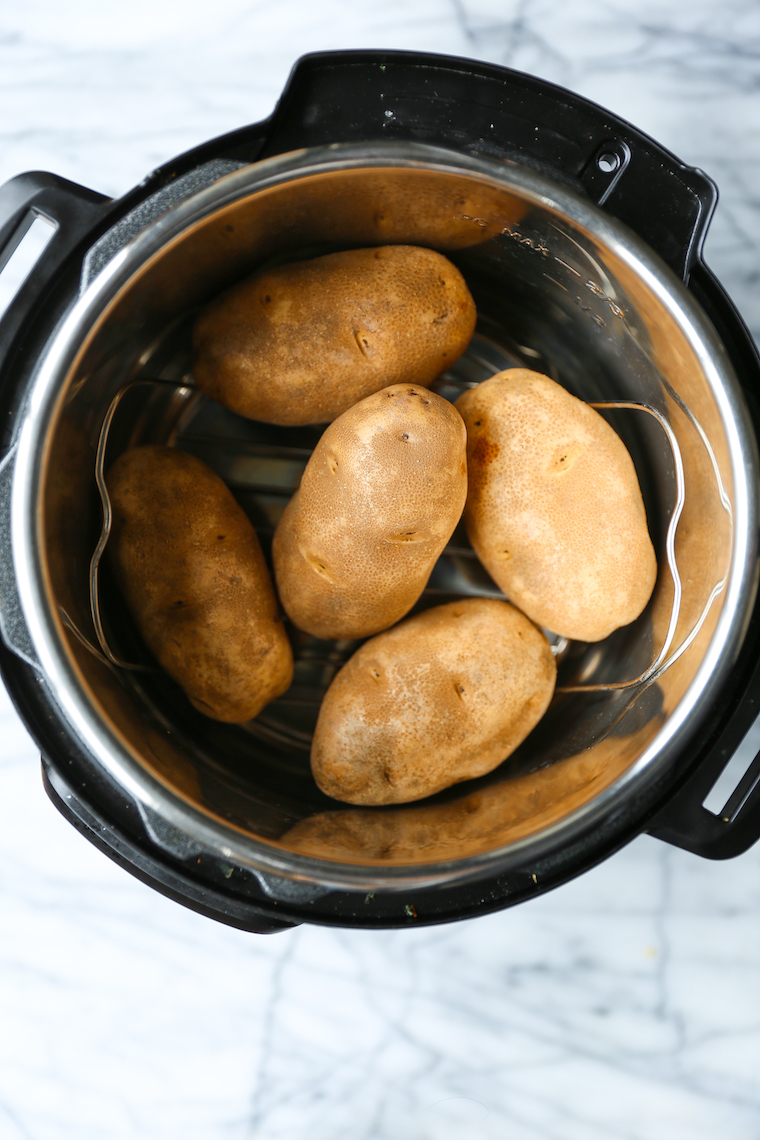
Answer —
(22, 253)
(736, 782)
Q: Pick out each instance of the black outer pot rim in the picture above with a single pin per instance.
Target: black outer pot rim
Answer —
(134, 780)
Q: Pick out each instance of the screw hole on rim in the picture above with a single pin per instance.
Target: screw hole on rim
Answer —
(608, 162)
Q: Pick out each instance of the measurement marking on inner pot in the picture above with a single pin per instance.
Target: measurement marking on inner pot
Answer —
(599, 292)
(587, 309)
(537, 244)
(596, 290)
(561, 262)
(540, 247)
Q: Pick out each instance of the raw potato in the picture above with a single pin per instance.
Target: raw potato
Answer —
(301, 343)
(554, 509)
(445, 696)
(512, 807)
(378, 501)
(191, 569)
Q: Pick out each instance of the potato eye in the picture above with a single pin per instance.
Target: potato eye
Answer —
(318, 566)
(564, 458)
(406, 536)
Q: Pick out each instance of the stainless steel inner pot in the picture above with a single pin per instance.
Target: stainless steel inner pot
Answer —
(561, 287)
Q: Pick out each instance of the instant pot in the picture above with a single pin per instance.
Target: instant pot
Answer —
(581, 241)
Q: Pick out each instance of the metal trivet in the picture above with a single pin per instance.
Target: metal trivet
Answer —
(294, 459)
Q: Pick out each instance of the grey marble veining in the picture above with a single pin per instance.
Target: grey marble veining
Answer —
(624, 1006)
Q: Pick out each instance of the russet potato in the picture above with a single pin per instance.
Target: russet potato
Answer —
(554, 510)
(301, 343)
(378, 501)
(513, 806)
(190, 566)
(444, 696)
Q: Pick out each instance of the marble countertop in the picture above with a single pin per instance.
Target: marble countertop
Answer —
(623, 1006)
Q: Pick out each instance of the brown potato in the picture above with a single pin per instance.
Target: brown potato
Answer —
(191, 569)
(301, 343)
(445, 696)
(554, 509)
(504, 812)
(378, 501)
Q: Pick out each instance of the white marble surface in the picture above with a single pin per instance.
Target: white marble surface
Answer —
(625, 1006)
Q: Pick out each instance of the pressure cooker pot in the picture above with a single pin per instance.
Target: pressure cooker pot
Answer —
(580, 240)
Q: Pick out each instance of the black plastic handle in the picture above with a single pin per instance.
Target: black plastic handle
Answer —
(686, 822)
(479, 108)
(71, 208)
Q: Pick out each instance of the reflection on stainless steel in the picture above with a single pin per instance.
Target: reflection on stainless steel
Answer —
(109, 660)
(560, 288)
(724, 499)
(504, 812)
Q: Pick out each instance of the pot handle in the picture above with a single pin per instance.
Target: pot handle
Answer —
(72, 209)
(685, 821)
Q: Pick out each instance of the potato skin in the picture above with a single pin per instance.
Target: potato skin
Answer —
(442, 697)
(378, 501)
(554, 510)
(301, 343)
(191, 569)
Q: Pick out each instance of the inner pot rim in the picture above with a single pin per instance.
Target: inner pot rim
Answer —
(47, 632)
